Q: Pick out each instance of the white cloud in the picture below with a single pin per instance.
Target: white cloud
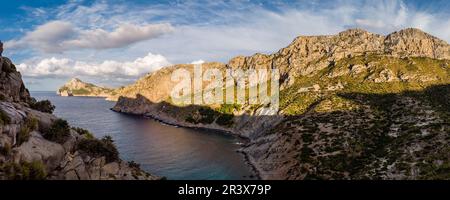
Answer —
(45, 37)
(110, 69)
(59, 36)
(124, 35)
(197, 62)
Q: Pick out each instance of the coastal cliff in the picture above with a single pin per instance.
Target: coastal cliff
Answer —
(355, 105)
(34, 144)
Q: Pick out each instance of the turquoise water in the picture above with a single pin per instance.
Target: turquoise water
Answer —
(176, 153)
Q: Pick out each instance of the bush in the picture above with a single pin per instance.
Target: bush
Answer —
(133, 164)
(4, 118)
(23, 135)
(43, 106)
(225, 120)
(32, 123)
(84, 132)
(190, 119)
(96, 148)
(24, 170)
(208, 115)
(229, 108)
(58, 132)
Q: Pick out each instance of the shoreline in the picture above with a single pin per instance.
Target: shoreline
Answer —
(247, 160)
(90, 96)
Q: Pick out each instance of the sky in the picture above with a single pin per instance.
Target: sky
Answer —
(112, 43)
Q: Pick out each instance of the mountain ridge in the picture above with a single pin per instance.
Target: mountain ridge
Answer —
(321, 77)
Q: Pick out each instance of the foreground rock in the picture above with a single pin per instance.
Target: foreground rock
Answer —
(37, 145)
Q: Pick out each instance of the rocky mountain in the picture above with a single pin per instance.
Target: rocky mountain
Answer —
(34, 144)
(355, 105)
(76, 87)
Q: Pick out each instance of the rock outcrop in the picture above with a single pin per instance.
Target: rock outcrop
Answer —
(28, 152)
(307, 55)
(11, 85)
(76, 87)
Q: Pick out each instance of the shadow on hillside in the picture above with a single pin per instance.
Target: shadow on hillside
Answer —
(335, 144)
(197, 115)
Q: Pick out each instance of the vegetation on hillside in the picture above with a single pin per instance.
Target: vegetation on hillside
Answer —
(103, 147)
(43, 106)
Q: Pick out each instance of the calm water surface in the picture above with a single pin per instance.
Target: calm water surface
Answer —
(176, 153)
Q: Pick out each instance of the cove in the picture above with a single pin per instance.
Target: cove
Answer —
(163, 150)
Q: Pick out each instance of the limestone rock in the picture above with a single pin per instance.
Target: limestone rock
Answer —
(39, 149)
(385, 76)
(76, 87)
(413, 42)
(16, 116)
(11, 84)
(357, 69)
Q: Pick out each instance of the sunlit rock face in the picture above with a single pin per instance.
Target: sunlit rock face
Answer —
(76, 87)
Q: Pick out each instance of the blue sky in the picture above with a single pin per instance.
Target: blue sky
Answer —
(114, 42)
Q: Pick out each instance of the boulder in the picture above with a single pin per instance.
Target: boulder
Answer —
(39, 149)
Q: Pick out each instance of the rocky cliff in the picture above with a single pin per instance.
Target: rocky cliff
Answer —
(34, 144)
(76, 87)
(355, 105)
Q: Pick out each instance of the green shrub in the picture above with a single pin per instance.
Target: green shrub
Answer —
(190, 119)
(43, 106)
(58, 132)
(84, 132)
(23, 135)
(225, 120)
(4, 118)
(208, 115)
(96, 148)
(229, 108)
(32, 123)
(81, 91)
(24, 170)
(133, 164)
